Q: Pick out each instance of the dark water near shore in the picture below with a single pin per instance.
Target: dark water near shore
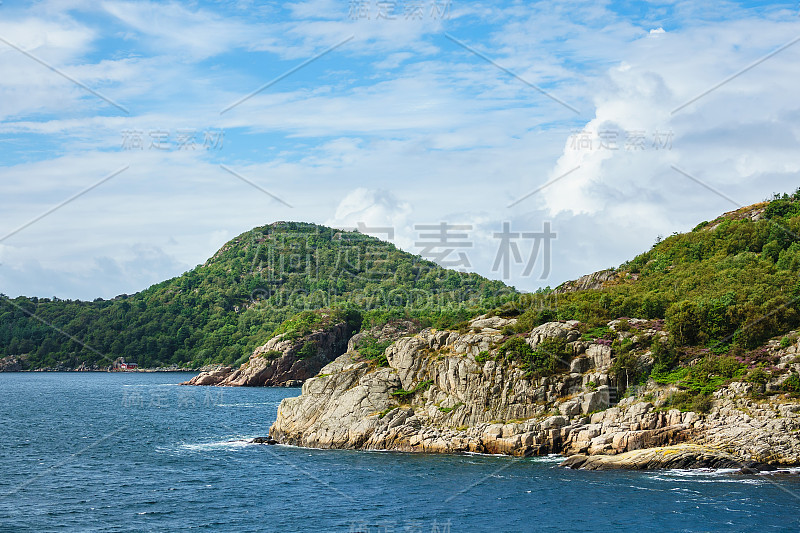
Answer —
(135, 452)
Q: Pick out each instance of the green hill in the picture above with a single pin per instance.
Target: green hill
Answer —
(220, 311)
(726, 287)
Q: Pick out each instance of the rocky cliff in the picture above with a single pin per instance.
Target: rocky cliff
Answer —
(10, 364)
(444, 391)
(284, 360)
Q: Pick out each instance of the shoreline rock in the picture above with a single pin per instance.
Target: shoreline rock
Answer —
(681, 456)
(441, 393)
(282, 361)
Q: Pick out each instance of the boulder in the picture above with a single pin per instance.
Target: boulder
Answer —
(579, 365)
(682, 456)
(552, 330)
(600, 356)
(264, 440)
(596, 401)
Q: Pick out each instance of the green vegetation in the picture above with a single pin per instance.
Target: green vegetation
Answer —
(482, 357)
(262, 283)
(549, 355)
(451, 409)
(308, 350)
(373, 349)
(599, 332)
(720, 292)
(731, 281)
(792, 384)
(420, 387)
(386, 411)
(706, 376)
(686, 401)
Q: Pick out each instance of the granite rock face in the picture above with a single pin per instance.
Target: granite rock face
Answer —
(10, 364)
(441, 393)
(683, 456)
(281, 361)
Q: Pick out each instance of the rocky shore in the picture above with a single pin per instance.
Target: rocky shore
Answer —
(284, 361)
(447, 392)
(681, 456)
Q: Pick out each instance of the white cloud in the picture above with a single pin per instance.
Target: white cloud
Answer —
(398, 127)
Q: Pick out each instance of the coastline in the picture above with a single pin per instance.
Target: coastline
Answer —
(439, 393)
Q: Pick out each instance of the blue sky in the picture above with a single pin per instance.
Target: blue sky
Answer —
(423, 112)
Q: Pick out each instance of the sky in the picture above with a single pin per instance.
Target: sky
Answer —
(528, 142)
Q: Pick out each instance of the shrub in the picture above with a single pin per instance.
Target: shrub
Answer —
(373, 349)
(420, 387)
(684, 322)
(623, 325)
(309, 349)
(664, 356)
(792, 383)
(515, 349)
(685, 401)
(272, 354)
(482, 357)
(757, 376)
(548, 356)
(711, 373)
(627, 369)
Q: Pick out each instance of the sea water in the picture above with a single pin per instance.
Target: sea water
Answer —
(137, 452)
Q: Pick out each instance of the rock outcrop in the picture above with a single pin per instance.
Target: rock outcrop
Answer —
(596, 280)
(10, 364)
(683, 456)
(445, 391)
(282, 361)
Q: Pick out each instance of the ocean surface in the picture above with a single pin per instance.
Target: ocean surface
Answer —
(136, 452)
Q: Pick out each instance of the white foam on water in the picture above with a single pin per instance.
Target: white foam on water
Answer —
(217, 445)
(259, 404)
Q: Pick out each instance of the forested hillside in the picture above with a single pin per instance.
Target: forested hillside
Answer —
(731, 281)
(220, 311)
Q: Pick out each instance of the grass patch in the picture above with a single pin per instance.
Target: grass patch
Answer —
(599, 332)
(685, 401)
(386, 411)
(451, 409)
(549, 355)
(420, 387)
(373, 349)
(271, 355)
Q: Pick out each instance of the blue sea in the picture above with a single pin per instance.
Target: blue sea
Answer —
(137, 452)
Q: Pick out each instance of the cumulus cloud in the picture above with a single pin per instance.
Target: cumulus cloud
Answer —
(399, 127)
(369, 209)
(724, 139)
